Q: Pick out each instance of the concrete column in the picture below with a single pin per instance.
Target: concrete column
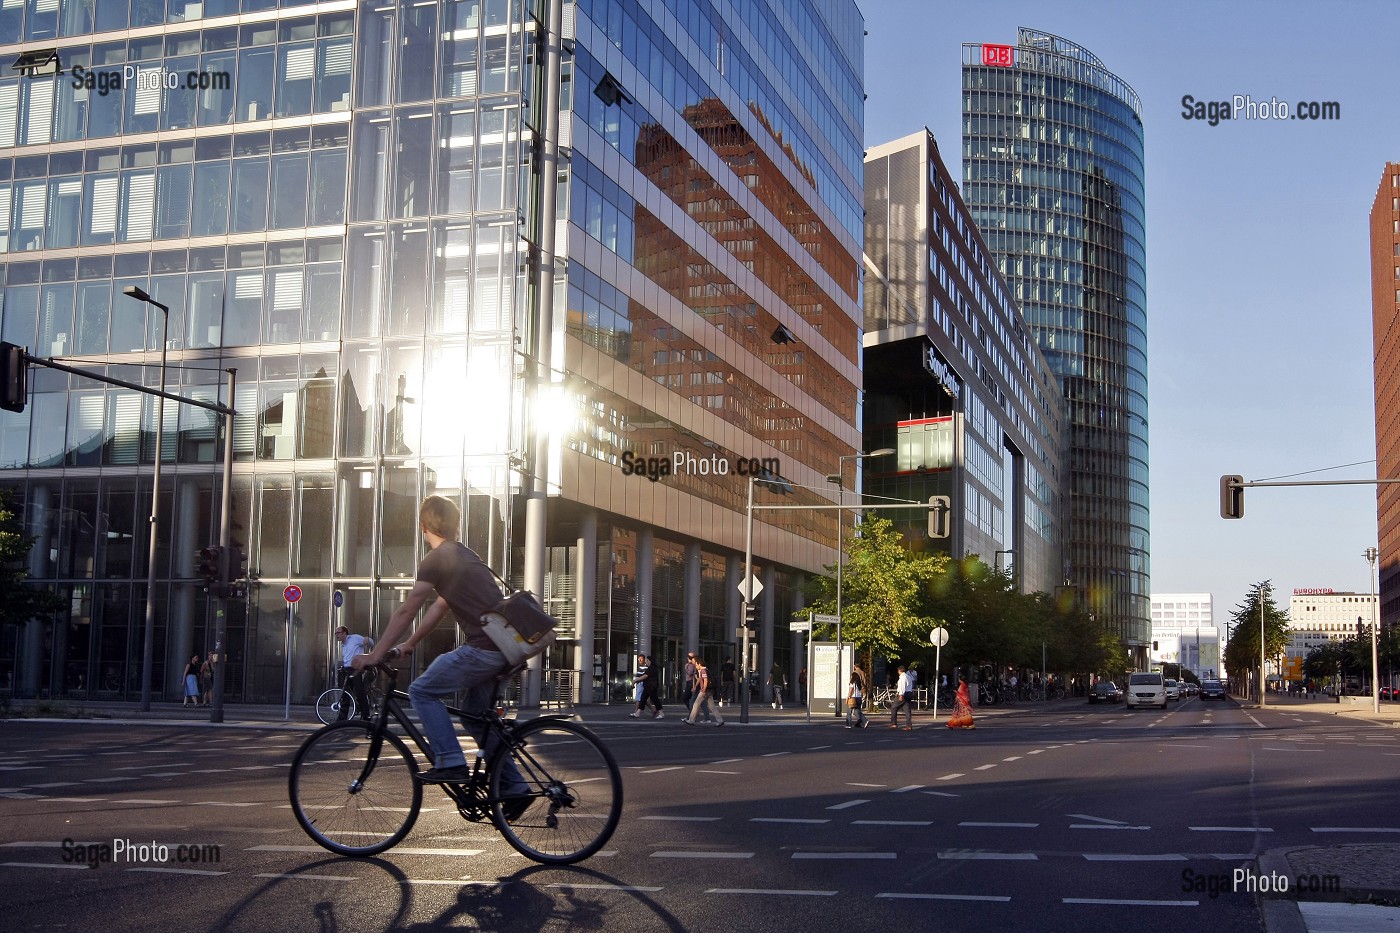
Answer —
(646, 557)
(30, 673)
(691, 622)
(733, 602)
(586, 581)
(181, 618)
(766, 629)
(797, 641)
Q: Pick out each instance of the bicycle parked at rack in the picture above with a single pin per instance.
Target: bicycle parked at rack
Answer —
(354, 785)
(330, 703)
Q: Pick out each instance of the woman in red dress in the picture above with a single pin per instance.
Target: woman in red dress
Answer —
(962, 708)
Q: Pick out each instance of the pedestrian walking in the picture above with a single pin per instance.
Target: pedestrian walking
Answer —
(904, 690)
(802, 686)
(688, 681)
(962, 707)
(191, 679)
(727, 682)
(777, 680)
(702, 696)
(855, 699)
(206, 679)
(647, 684)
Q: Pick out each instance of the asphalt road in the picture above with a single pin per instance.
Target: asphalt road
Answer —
(1063, 817)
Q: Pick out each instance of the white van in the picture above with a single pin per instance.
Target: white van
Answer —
(1145, 688)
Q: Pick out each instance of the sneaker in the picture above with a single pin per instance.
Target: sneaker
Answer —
(456, 775)
(893, 725)
(865, 725)
(633, 715)
(659, 715)
(687, 722)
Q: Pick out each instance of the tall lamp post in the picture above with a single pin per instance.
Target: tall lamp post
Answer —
(839, 479)
(1263, 678)
(1371, 554)
(149, 646)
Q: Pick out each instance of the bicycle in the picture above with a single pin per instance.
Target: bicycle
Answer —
(330, 703)
(354, 785)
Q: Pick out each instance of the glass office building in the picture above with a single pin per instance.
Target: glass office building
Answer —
(1053, 177)
(341, 200)
(955, 384)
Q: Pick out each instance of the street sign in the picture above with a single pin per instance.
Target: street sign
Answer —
(799, 626)
(938, 637)
(741, 631)
(292, 593)
(338, 598)
(750, 588)
(822, 619)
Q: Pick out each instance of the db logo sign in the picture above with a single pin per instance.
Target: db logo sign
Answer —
(998, 56)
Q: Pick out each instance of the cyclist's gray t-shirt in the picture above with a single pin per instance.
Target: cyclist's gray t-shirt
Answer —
(466, 583)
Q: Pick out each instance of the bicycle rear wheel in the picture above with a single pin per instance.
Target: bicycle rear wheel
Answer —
(329, 704)
(339, 812)
(572, 797)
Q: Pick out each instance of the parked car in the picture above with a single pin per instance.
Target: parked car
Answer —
(1173, 689)
(1191, 688)
(1390, 693)
(1145, 688)
(1212, 690)
(1105, 691)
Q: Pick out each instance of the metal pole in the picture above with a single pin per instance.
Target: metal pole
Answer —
(1263, 588)
(748, 596)
(807, 687)
(537, 500)
(1371, 554)
(148, 648)
(287, 706)
(216, 714)
(937, 677)
(840, 564)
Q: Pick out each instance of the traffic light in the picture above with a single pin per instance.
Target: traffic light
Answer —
(750, 615)
(940, 516)
(1232, 496)
(209, 564)
(14, 377)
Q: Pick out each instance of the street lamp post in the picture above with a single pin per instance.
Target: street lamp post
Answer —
(1371, 554)
(1263, 681)
(839, 479)
(149, 644)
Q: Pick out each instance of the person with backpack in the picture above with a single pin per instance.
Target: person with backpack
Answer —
(702, 696)
(855, 699)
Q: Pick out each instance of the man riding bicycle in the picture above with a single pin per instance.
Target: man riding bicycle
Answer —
(465, 585)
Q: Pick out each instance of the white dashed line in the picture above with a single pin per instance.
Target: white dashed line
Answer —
(682, 819)
(950, 777)
(844, 855)
(308, 877)
(847, 805)
(788, 891)
(1000, 825)
(723, 855)
(992, 898)
(990, 856)
(905, 790)
(779, 819)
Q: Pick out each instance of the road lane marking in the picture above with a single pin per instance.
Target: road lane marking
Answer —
(1230, 829)
(848, 804)
(774, 754)
(892, 822)
(779, 819)
(659, 770)
(1355, 829)
(1036, 752)
(1000, 825)
(179, 871)
(1126, 902)
(789, 891)
(1094, 819)
(40, 865)
(703, 771)
(1012, 758)
(726, 761)
(939, 793)
(907, 788)
(950, 777)
(725, 855)
(983, 767)
(683, 819)
(308, 877)
(1129, 857)
(858, 784)
(844, 855)
(140, 800)
(1270, 748)
(225, 803)
(964, 854)
(400, 850)
(992, 898)
(645, 889)
(817, 748)
(1102, 826)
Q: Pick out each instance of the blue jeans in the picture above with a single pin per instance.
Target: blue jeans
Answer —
(472, 671)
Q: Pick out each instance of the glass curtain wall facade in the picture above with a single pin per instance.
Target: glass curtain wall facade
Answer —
(340, 199)
(954, 381)
(1053, 177)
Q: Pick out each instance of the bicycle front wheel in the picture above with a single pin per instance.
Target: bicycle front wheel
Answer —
(339, 811)
(571, 798)
(330, 703)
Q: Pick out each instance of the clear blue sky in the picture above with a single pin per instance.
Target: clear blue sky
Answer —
(1258, 264)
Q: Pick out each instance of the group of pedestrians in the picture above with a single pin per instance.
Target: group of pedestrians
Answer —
(199, 681)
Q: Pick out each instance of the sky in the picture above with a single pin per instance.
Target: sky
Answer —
(1260, 356)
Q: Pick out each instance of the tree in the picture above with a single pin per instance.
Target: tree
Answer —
(882, 591)
(19, 601)
(1242, 653)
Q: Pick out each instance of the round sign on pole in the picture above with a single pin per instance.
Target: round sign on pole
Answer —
(338, 598)
(938, 637)
(292, 593)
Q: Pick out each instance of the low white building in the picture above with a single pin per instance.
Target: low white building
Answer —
(1184, 632)
(1318, 615)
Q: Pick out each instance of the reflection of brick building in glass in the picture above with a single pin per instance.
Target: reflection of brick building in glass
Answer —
(1385, 314)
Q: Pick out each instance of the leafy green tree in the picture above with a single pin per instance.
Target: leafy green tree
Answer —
(883, 586)
(19, 601)
(1242, 653)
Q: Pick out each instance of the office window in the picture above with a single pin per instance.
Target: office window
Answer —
(138, 201)
(257, 67)
(65, 211)
(333, 74)
(249, 202)
(289, 190)
(327, 187)
(295, 78)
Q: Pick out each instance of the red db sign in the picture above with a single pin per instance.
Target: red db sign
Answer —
(998, 56)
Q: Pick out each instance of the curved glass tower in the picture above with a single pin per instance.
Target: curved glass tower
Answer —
(1053, 177)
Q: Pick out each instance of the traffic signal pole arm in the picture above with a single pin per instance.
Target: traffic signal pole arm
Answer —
(215, 407)
(1232, 488)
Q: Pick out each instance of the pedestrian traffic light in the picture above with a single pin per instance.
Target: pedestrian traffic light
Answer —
(14, 377)
(940, 518)
(209, 564)
(1232, 496)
